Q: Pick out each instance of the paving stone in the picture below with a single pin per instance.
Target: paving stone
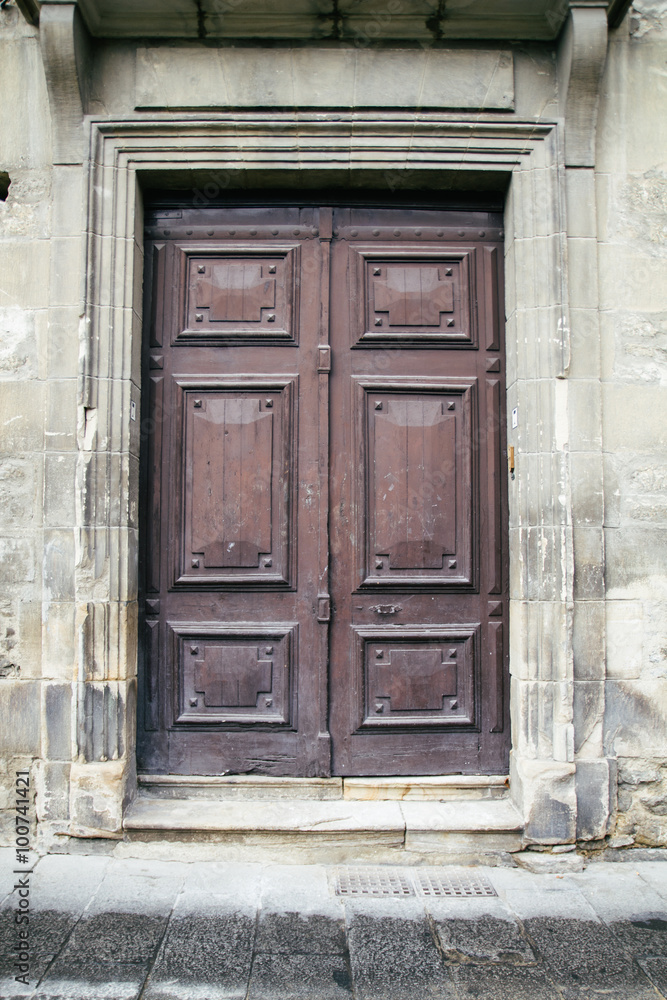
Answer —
(626, 896)
(124, 892)
(568, 904)
(315, 977)
(582, 953)
(117, 937)
(66, 883)
(393, 958)
(486, 938)
(653, 873)
(291, 933)
(298, 912)
(217, 886)
(211, 952)
(497, 982)
(639, 990)
(48, 931)
(643, 935)
(17, 991)
(68, 979)
(656, 970)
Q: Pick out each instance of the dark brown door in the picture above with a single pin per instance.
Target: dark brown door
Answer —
(417, 642)
(247, 663)
(235, 654)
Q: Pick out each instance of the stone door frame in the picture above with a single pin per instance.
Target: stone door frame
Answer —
(400, 146)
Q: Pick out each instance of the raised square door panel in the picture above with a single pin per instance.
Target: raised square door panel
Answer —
(233, 673)
(413, 296)
(236, 498)
(415, 481)
(239, 294)
(416, 677)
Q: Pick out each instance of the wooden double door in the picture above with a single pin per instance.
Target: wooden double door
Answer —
(324, 580)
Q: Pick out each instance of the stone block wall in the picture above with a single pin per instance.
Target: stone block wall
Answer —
(30, 455)
(632, 233)
(51, 600)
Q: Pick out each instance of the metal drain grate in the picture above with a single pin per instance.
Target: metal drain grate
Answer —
(397, 882)
(372, 882)
(431, 882)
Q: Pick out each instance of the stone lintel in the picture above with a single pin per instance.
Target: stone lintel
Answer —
(188, 78)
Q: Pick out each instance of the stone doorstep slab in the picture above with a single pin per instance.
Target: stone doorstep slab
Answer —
(249, 787)
(422, 827)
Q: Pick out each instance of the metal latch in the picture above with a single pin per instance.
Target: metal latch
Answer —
(324, 358)
(386, 609)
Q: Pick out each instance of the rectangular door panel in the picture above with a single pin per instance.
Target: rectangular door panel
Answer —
(415, 296)
(236, 516)
(416, 439)
(233, 674)
(242, 294)
(416, 677)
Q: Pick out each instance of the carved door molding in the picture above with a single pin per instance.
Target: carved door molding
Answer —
(272, 618)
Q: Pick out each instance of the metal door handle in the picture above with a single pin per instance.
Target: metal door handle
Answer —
(386, 609)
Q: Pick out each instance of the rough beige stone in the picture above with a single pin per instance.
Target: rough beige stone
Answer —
(28, 650)
(59, 490)
(625, 635)
(633, 418)
(633, 710)
(588, 640)
(640, 348)
(628, 276)
(581, 215)
(63, 342)
(20, 717)
(24, 265)
(67, 192)
(25, 213)
(21, 417)
(61, 414)
(21, 492)
(17, 559)
(59, 640)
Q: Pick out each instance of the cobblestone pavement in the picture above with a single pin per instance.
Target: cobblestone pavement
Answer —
(110, 928)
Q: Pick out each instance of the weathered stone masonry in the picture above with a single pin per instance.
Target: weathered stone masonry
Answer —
(571, 122)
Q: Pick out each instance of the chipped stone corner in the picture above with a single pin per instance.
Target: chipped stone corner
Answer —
(98, 795)
(545, 793)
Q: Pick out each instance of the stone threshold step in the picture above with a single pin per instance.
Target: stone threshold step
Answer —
(459, 827)
(250, 786)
